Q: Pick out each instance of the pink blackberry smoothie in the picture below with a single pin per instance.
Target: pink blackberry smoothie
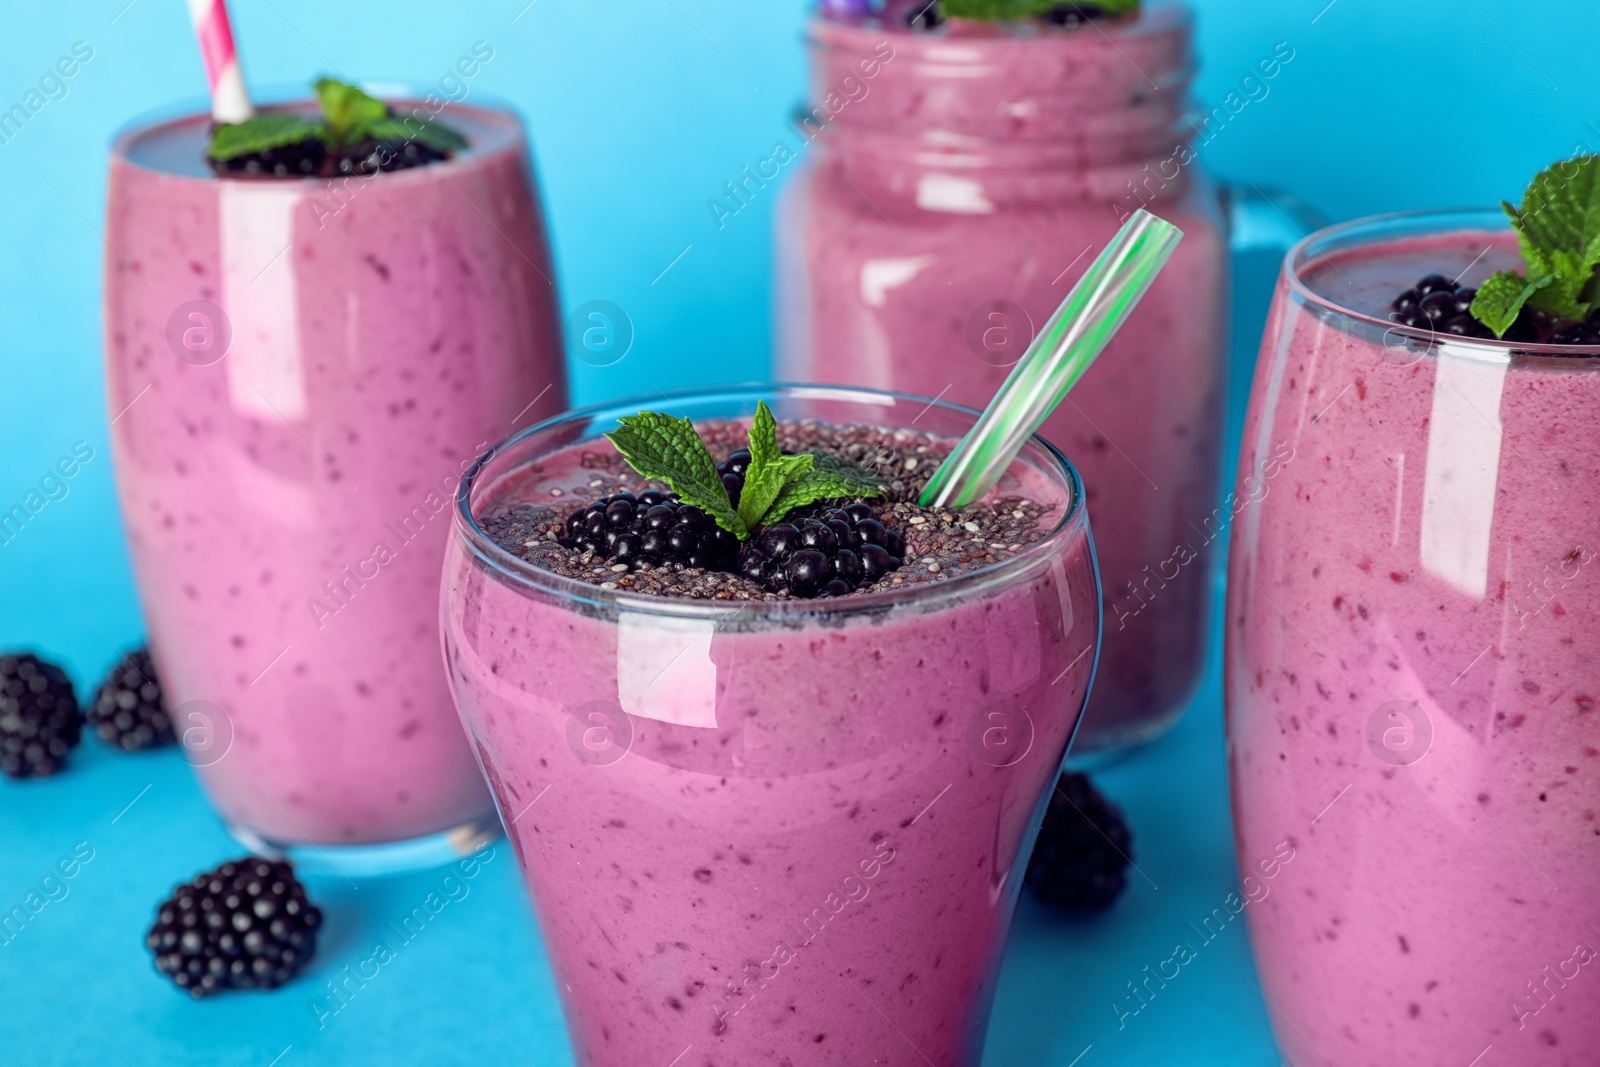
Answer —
(1411, 667)
(782, 831)
(954, 196)
(298, 373)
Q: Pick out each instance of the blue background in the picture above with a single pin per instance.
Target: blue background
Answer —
(640, 110)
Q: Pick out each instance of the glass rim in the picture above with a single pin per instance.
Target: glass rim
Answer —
(515, 571)
(1301, 255)
(1163, 16)
(275, 94)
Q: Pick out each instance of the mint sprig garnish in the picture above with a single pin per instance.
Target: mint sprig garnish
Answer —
(350, 117)
(349, 111)
(660, 446)
(1501, 297)
(1558, 232)
(434, 134)
(824, 482)
(669, 449)
(263, 132)
(769, 470)
(1012, 10)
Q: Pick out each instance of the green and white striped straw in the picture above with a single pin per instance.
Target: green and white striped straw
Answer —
(1077, 333)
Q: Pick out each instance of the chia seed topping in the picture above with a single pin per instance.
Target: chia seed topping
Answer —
(941, 543)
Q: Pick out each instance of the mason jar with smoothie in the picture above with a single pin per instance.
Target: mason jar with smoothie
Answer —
(772, 795)
(962, 170)
(1412, 673)
(315, 319)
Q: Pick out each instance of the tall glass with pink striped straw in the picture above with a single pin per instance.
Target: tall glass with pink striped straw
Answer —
(318, 314)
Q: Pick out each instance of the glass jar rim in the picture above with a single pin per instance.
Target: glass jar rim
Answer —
(512, 570)
(1164, 16)
(1374, 229)
(284, 94)
(1032, 103)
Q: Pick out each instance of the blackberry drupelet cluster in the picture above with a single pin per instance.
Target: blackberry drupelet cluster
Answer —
(373, 157)
(925, 16)
(929, 16)
(312, 158)
(1586, 332)
(1073, 14)
(1080, 862)
(245, 925)
(129, 712)
(732, 472)
(40, 721)
(303, 159)
(833, 553)
(652, 527)
(1436, 303)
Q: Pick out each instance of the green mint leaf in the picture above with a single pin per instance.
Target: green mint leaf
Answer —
(769, 468)
(1561, 297)
(660, 446)
(348, 110)
(830, 478)
(434, 134)
(1558, 232)
(995, 10)
(1560, 214)
(1012, 10)
(231, 139)
(1500, 299)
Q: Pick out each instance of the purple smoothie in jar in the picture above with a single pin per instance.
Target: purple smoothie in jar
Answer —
(962, 180)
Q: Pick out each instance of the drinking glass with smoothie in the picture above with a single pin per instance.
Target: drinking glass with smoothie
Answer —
(1411, 668)
(772, 796)
(961, 172)
(309, 337)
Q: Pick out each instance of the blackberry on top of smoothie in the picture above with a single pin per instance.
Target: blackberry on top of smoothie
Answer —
(784, 513)
(926, 15)
(355, 134)
(1556, 298)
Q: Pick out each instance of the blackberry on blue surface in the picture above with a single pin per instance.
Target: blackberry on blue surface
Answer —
(129, 712)
(40, 721)
(245, 925)
(1080, 860)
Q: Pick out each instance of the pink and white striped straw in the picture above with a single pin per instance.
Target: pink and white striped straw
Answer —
(229, 100)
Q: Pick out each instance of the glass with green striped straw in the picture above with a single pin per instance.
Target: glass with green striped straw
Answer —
(1078, 332)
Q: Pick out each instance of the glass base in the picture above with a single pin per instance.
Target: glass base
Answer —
(380, 859)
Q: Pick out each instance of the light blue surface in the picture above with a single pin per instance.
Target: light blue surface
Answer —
(640, 110)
